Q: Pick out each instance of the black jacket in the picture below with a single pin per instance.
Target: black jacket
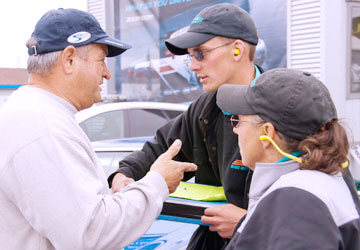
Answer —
(208, 141)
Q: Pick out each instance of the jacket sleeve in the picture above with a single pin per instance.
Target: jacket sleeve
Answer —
(288, 219)
(61, 192)
(183, 127)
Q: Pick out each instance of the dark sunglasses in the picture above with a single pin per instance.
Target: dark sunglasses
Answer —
(199, 54)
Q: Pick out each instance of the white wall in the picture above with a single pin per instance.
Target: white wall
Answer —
(317, 42)
(334, 62)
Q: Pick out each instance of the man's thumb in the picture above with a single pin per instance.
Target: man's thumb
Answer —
(174, 149)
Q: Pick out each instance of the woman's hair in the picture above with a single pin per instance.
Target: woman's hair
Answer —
(324, 151)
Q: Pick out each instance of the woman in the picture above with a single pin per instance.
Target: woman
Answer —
(289, 135)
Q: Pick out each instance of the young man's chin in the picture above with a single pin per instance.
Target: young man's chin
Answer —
(209, 88)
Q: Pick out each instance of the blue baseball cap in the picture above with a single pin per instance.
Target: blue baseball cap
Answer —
(60, 28)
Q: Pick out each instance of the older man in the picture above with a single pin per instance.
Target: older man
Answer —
(53, 191)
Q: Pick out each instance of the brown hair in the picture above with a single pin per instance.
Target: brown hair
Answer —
(252, 51)
(325, 150)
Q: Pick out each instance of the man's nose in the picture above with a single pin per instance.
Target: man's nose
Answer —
(106, 73)
(194, 64)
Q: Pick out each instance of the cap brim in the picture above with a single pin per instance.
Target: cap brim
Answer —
(115, 46)
(231, 98)
(179, 44)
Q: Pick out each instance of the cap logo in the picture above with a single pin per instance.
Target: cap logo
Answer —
(79, 37)
(198, 19)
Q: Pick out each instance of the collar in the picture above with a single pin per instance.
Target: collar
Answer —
(54, 98)
(297, 153)
(207, 111)
(257, 74)
(266, 174)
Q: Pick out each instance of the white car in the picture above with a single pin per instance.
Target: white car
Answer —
(126, 119)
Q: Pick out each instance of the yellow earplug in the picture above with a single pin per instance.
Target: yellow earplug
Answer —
(237, 52)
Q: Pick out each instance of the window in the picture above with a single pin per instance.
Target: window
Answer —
(145, 122)
(119, 124)
(354, 50)
(109, 125)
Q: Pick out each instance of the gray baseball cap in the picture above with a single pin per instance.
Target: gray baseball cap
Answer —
(225, 19)
(295, 102)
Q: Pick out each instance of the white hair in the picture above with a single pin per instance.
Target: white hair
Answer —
(43, 64)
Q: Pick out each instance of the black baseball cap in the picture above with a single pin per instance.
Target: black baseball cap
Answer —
(60, 28)
(295, 102)
(225, 19)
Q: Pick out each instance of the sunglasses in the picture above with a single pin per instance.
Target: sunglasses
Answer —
(199, 54)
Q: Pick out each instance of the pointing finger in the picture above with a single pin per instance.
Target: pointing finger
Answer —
(186, 166)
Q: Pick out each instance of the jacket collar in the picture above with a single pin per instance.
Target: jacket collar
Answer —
(266, 174)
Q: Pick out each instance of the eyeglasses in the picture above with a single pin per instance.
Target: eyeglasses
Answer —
(234, 121)
(199, 54)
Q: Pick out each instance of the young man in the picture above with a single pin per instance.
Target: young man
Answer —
(221, 43)
(53, 190)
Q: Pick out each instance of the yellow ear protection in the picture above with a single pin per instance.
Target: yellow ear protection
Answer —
(237, 52)
(267, 138)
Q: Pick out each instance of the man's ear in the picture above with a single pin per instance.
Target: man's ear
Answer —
(68, 58)
(239, 49)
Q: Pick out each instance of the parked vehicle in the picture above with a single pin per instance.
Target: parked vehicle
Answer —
(110, 152)
(126, 119)
(163, 234)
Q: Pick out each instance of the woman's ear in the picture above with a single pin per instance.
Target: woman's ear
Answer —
(268, 130)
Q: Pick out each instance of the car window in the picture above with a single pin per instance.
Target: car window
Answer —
(104, 126)
(145, 122)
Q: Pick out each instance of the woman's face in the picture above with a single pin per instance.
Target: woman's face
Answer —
(249, 131)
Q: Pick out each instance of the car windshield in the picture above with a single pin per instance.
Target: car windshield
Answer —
(126, 123)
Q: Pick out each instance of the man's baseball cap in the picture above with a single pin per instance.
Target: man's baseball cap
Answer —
(295, 102)
(60, 28)
(225, 19)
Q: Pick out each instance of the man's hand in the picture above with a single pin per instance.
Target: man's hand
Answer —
(223, 219)
(119, 182)
(172, 171)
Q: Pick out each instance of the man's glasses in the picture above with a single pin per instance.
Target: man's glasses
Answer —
(199, 54)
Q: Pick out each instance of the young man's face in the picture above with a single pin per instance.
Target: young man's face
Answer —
(216, 66)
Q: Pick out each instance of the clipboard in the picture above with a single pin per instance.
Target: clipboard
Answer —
(188, 202)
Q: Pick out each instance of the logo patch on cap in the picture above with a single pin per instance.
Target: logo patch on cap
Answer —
(198, 19)
(79, 37)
